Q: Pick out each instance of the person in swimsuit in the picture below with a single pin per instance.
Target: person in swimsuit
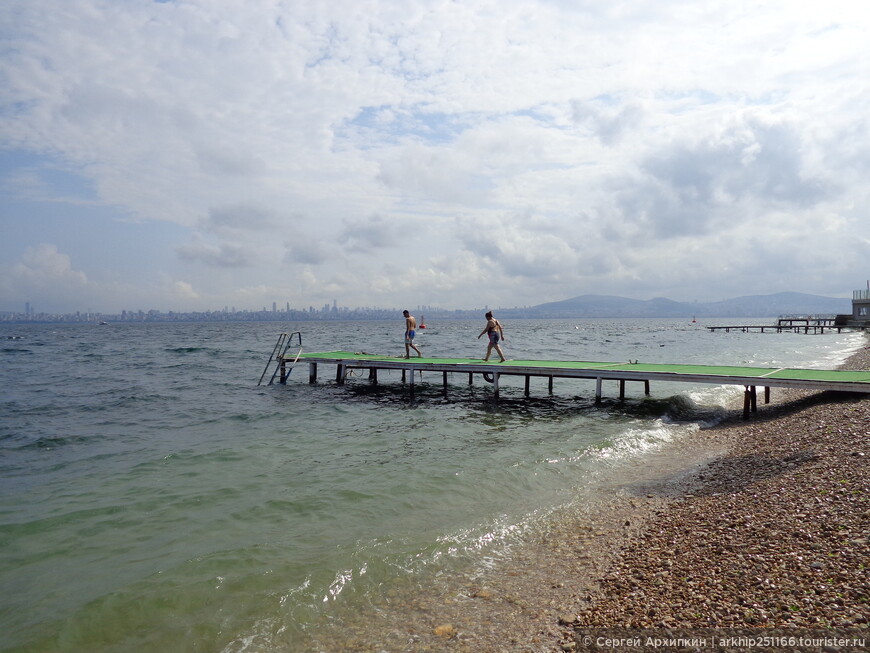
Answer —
(410, 326)
(495, 332)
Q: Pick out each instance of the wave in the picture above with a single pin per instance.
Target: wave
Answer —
(185, 350)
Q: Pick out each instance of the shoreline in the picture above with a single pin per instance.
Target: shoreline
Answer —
(760, 529)
(771, 537)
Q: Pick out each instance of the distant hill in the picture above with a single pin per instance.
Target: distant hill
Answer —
(784, 303)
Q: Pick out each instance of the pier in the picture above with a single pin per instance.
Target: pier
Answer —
(792, 324)
(632, 371)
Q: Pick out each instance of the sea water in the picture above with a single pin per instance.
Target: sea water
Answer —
(154, 497)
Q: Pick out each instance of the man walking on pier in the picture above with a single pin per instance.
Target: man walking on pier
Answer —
(495, 332)
(410, 332)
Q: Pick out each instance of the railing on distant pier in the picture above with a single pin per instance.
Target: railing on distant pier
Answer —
(860, 294)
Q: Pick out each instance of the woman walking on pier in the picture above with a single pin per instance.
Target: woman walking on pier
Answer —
(495, 332)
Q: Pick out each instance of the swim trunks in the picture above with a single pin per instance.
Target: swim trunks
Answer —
(409, 337)
(493, 337)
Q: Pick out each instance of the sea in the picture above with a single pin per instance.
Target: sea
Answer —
(154, 497)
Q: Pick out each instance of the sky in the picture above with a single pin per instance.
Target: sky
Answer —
(202, 154)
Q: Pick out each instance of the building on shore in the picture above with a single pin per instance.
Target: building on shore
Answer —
(860, 317)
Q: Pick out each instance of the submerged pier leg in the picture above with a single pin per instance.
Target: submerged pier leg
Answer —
(767, 394)
(373, 375)
(312, 372)
(283, 378)
(646, 388)
(527, 385)
(550, 384)
(495, 383)
(411, 384)
(622, 389)
(339, 374)
(598, 390)
(444, 379)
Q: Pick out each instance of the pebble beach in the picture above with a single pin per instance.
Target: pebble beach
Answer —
(760, 532)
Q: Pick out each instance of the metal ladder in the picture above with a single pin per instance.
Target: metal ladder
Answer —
(279, 355)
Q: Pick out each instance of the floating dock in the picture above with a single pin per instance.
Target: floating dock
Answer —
(749, 377)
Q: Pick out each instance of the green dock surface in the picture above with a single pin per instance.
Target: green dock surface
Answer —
(848, 380)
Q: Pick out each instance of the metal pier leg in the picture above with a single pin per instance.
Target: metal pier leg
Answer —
(312, 372)
(495, 383)
(646, 388)
(445, 383)
(471, 378)
(283, 377)
(598, 390)
(404, 376)
(767, 394)
(411, 385)
(622, 389)
(550, 385)
(339, 374)
(373, 375)
(527, 385)
(749, 401)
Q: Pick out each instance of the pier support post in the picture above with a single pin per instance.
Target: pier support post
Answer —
(749, 401)
(283, 378)
(444, 380)
(646, 388)
(471, 378)
(339, 374)
(598, 390)
(527, 385)
(622, 389)
(411, 384)
(312, 373)
(373, 375)
(495, 383)
(767, 394)
(550, 384)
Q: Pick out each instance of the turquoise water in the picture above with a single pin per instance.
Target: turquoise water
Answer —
(152, 497)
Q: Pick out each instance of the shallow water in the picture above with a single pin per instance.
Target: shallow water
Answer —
(153, 497)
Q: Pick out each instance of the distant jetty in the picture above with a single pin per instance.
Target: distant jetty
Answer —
(791, 324)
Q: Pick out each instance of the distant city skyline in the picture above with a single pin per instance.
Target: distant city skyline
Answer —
(578, 307)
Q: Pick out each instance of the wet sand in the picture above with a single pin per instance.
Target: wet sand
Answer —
(760, 529)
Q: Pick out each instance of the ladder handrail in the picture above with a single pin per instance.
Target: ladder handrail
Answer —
(281, 357)
(285, 340)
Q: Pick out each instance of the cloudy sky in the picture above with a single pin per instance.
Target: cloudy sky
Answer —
(196, 154)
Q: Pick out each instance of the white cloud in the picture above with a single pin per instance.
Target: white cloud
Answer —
(44, 265)
(551, 148)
